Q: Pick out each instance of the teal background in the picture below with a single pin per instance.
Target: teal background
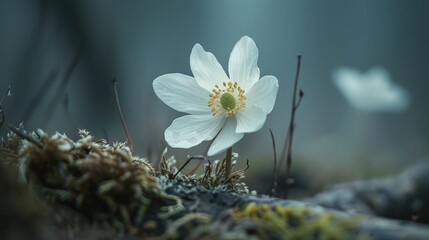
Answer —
(137, 41)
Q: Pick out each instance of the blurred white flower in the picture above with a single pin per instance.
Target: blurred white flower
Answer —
(233, 105)
(371, 91)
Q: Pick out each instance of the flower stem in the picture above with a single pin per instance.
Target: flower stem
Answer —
(228, 162)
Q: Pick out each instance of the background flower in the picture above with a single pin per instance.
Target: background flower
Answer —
(371, 91)
(230, 106)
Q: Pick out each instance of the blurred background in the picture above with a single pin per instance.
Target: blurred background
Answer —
(59, 58)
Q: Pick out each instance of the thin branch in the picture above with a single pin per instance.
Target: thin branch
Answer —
(24, 136)
(8, 93)
(105, 135)
(219, 167)
(205, 153)
(195, 168)
(118, 105)
(237, 172)
(198, 157)
(289, 139)
(68, 112)
(61, 89)
(283, 153)
(157, 164)
(301, 95)
(37, 98)
(275, 171)
(149, 152)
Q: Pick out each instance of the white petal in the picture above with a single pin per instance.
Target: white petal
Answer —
(226, 138)
(250, 119)
(243, 63)
(263, 93)
(182, 93)
(191, 130)
(206, 68)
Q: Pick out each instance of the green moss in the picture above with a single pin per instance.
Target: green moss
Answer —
(270, 222)
(277, 222)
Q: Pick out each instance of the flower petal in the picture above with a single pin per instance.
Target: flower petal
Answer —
(250, 119)
(263, 93)
(182, 93)
(226, 138)
(191, 130)
(243, 63)
(206, 69)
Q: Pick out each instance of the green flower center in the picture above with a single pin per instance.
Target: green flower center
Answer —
(227, 100)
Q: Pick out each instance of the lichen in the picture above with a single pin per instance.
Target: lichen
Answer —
(102, 181)
(212, 178)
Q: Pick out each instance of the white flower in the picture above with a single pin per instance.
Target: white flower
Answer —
(233, 105)
(371, 91)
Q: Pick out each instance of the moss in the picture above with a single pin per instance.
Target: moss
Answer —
(266, 222)
(102, 181)
(278, 222)
(106, 183)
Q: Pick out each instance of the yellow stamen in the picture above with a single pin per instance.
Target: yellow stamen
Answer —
(227, 100)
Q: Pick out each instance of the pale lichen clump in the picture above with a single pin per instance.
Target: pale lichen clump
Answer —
(212, 178)
(105, 182)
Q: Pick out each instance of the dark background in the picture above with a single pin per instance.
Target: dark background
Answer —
(52, 51)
